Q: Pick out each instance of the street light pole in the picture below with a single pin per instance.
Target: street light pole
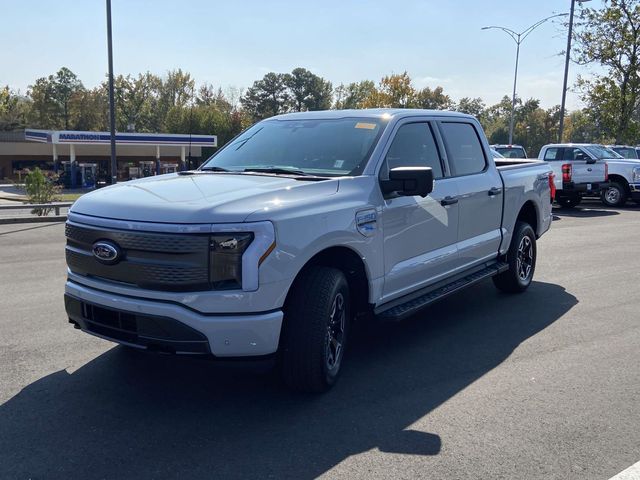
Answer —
(112, 106)
(519, 38)
(513, 96)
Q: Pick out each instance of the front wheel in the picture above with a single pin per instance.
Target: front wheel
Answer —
(521, 258)
(317, 318)
(614, 196)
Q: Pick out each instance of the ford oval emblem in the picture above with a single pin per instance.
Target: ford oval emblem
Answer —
(106, 252)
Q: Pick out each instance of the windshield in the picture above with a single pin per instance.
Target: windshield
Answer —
(601, 152)
(511, 152)
(326, 147)
(626, 152)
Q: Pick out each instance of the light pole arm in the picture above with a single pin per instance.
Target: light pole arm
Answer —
(527, 31)
(518, 38)
(508, 31)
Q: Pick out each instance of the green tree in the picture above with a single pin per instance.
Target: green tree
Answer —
(267, 97)
(90, 110)
(14, 110)
(138, 102)
(354, 95)
(471, 106)
(580, 127)
(395, 91)
(434, 99)
(308, 91)
(41, 188)
(610, 37)
(52, 99)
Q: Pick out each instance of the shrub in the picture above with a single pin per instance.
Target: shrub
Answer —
(41, 188)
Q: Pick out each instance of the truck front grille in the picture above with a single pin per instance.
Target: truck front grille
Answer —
(155, 261)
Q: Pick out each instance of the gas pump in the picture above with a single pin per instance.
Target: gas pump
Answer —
(168, 168)
(148, 168)
(134, 172)
(88, 174)
(65, 173)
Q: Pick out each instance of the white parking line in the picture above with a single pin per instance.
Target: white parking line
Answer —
(631, 473)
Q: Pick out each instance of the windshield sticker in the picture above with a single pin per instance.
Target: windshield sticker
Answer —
(338, 164)
(366, 126)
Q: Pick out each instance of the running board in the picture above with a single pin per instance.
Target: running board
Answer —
(399, 311)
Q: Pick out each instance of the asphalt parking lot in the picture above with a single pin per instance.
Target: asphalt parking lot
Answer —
(482, 385)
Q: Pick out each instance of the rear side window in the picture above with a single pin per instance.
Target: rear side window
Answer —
(553, 154)
(414, 146)
(515, 152)
(574, 154)
(465, 150)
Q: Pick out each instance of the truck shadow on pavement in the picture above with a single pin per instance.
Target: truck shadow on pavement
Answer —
(131, 415)
(579, 212)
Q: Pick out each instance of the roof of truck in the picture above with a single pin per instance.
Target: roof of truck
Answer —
(572, 144)
(368, 113)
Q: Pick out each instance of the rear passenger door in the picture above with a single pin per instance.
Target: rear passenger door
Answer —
(479, 193)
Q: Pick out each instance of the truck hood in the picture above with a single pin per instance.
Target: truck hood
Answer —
(198, 198)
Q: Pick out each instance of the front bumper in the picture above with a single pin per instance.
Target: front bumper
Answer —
(169, 327)
(635, 191)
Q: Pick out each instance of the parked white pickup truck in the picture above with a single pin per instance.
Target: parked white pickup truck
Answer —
(296, 227)
(624, 177)
(579, 170)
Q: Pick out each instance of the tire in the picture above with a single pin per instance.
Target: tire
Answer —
(316, 327)
(615, 195)
(569, 202)
(521, 258)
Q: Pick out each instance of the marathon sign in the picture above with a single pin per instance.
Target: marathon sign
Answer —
(81, 137)
(122, 138)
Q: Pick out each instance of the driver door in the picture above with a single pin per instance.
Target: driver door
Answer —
(420, 234)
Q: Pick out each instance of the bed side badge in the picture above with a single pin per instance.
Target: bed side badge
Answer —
(367, 222)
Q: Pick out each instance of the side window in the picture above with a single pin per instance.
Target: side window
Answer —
(578, 154)
(465, 150)
(414, 146)
(553, 154)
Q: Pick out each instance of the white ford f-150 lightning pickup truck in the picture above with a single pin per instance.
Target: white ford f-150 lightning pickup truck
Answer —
(296, 227)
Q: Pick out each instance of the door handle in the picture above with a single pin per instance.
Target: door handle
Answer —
(494, 191)
(448, 201)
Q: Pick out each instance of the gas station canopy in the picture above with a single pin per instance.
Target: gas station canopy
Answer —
(64, 141)
(91, 138)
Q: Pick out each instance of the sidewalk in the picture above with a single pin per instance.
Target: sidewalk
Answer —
(10, 193)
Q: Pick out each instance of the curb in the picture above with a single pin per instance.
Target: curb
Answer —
(33, 219)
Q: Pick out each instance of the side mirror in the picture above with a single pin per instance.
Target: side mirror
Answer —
(409, 181)
(590, 161)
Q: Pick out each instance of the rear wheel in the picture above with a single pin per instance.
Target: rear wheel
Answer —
(569, 202)
(521, 258)
(317, 318)
(615, 195)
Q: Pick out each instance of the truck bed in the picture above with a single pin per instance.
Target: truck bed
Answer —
(505, 163)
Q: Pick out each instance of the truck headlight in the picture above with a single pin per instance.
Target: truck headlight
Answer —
(225, 259)
(236, 253)
(636, 174)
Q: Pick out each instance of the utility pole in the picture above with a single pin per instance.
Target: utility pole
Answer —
(112, 106)
(567, 57)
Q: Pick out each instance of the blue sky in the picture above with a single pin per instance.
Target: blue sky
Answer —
(235, 43)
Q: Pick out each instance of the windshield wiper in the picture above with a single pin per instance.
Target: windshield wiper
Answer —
(277, 171)
(213, 169)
